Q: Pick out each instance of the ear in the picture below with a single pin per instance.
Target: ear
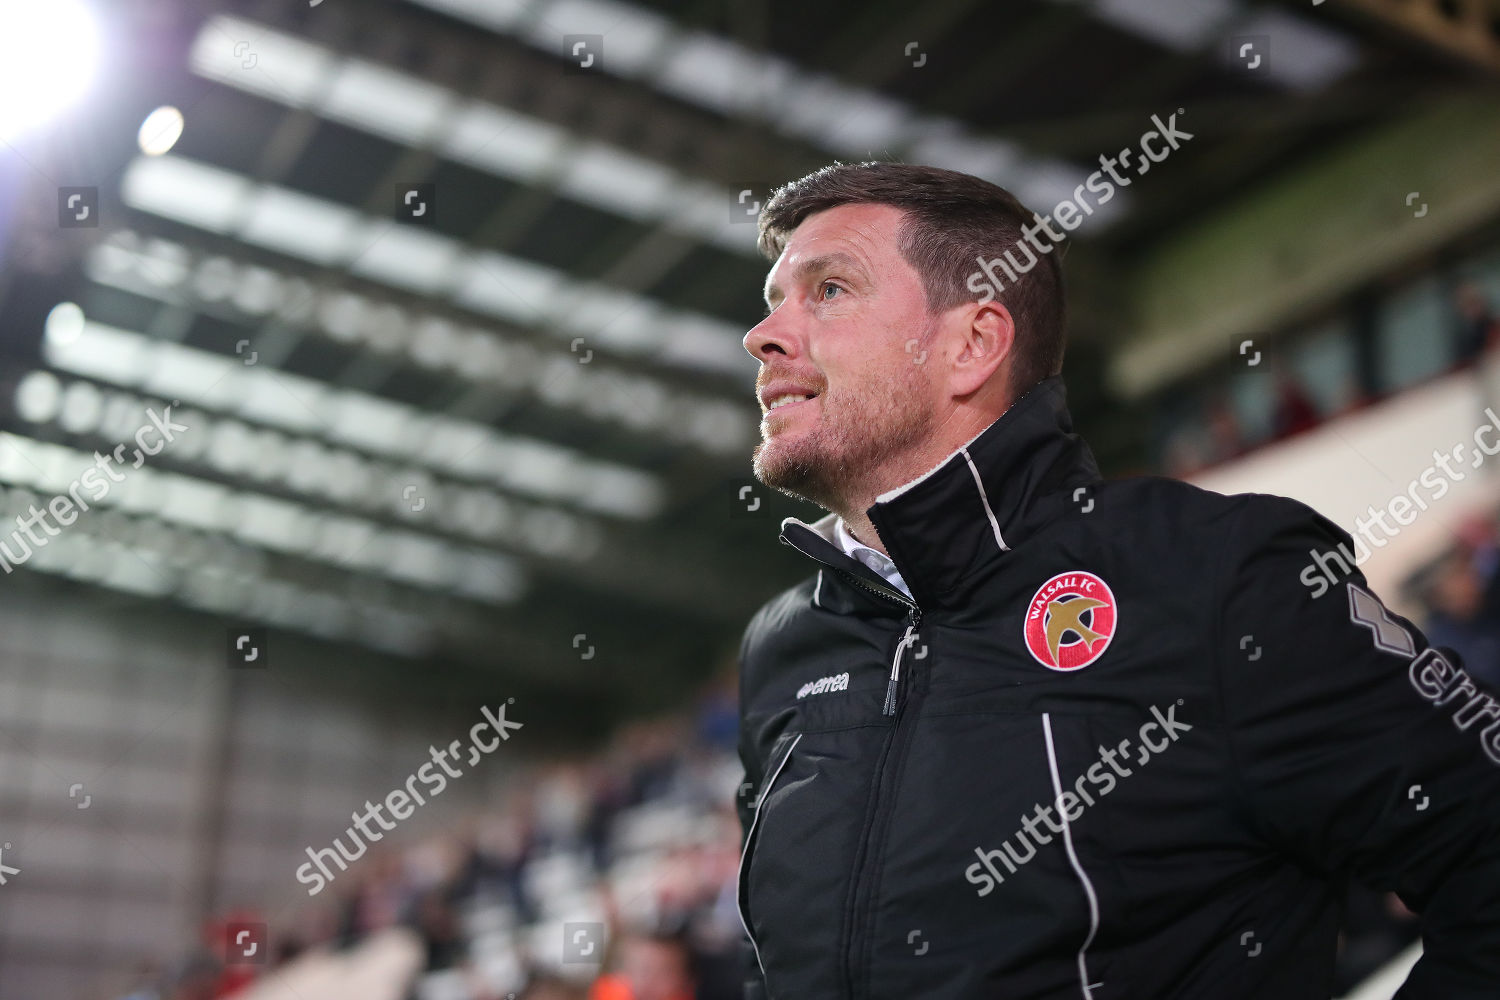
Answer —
(986, 336)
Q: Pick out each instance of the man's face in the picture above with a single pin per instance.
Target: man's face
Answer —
(848, 325)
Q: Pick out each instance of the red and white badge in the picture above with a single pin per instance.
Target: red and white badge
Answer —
(1070, 621)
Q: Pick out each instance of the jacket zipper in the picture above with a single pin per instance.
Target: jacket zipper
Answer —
(913, 619)
(893, 704)
(906, 641)
(742, 888)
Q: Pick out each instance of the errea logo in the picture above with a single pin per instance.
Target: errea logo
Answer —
(823, 685)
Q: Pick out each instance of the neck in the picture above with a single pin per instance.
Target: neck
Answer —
(958, 429)
(860, 527)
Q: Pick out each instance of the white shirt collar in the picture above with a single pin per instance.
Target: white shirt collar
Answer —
(871, 557)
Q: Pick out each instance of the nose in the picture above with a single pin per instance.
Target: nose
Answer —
(771, 335)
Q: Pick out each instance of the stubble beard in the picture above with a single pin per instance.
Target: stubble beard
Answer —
(858, 438)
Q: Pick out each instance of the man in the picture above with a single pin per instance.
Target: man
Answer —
(1461, 596)
(1027, 734)
(1477, 325)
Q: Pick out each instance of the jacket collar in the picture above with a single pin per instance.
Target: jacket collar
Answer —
(942, 528)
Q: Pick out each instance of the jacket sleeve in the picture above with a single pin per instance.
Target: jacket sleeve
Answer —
(754, 987)
(1357, 749)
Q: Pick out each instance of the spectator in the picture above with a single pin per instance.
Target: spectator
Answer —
(718, 715)
(1461, 619)
(652, 967)
(436, 921)
(222, 938)
(378, 895)
(552, 988)
(198, 978)
(1187, 452)
(1478, 330)
(1224, 431)
(1295, 411)
(146, 983)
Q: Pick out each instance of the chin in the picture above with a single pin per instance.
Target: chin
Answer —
(791, 470)
(767, 462)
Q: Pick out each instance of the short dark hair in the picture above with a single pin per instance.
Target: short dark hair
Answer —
(953, 219)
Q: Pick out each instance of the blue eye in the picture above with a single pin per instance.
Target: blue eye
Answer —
(827, 285)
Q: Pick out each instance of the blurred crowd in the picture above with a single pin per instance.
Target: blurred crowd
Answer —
(1460, 595)
(610, 877)
(1213, 430)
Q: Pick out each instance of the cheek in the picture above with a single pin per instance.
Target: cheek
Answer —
(866, 359)
(876, 375)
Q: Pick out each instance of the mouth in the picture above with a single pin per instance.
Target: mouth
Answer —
(787, 401)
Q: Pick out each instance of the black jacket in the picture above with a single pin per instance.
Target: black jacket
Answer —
(1155, 793)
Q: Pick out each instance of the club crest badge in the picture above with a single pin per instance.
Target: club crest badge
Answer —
(1070, 621)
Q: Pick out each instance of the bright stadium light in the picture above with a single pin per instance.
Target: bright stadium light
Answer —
(64, 323)
(48, 52)
(160, 131)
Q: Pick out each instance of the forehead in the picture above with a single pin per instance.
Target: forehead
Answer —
(867, 233)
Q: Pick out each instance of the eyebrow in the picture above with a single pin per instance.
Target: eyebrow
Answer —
(814, 265)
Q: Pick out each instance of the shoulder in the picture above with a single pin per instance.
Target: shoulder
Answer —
(770, 625)
(1151, 528)
(1236, 522)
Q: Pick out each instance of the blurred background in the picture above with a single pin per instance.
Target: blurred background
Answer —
(367, 366)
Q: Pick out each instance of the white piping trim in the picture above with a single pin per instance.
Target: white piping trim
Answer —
(892, 494)
(984, 499)
(739, 874)
(816, 588)
(1088, 887)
